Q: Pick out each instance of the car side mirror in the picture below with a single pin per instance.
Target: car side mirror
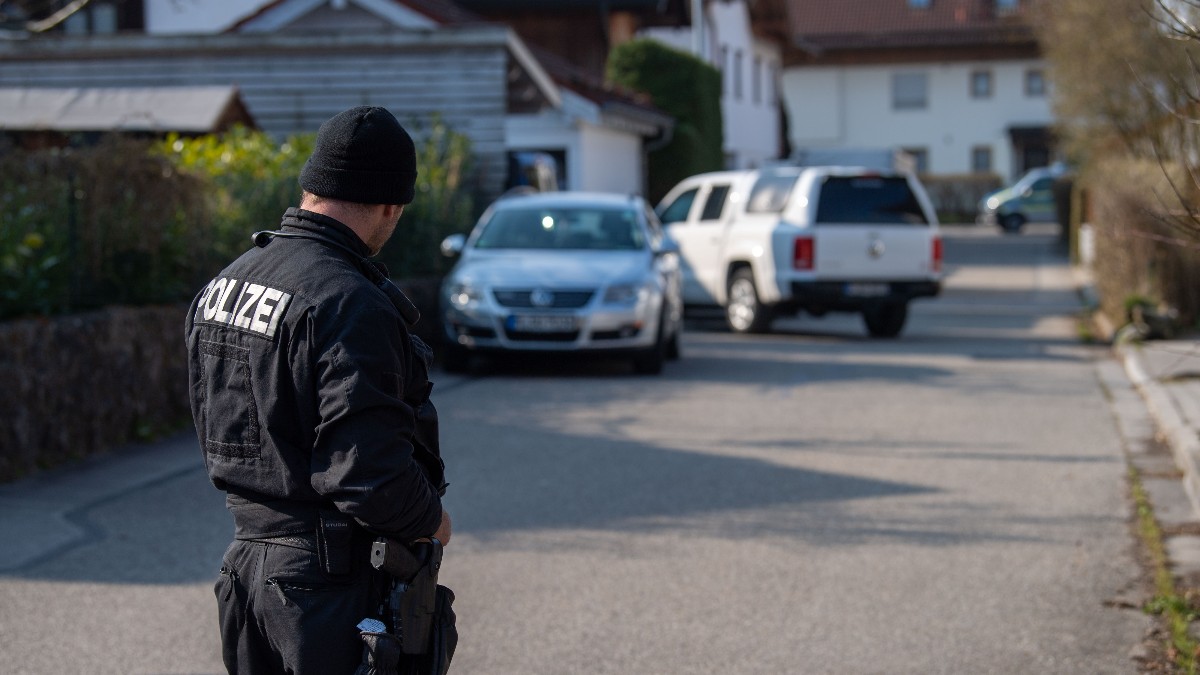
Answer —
(666, 245)
(453, 245)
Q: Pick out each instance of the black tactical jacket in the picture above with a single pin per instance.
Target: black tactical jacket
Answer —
(307, 388)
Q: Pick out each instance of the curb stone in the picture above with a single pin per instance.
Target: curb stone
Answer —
(1179, 435)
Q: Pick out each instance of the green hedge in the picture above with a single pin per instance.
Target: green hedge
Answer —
(135, 222)
(249, 180)
(685, 87)
(956, 196)
(254, 180)
(104, 225)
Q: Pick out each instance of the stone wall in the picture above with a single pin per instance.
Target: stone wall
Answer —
(77, 385)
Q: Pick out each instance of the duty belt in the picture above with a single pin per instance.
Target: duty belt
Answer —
(332, 534)
(254, 519)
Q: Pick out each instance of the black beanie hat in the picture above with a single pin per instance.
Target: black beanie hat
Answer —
(362, 155)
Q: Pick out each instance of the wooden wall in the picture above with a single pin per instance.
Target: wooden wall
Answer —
(293, 82)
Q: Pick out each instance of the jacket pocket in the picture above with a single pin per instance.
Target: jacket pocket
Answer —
(230, 426)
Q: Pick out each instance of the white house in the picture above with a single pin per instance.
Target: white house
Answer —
(959, 85)
(750, 68)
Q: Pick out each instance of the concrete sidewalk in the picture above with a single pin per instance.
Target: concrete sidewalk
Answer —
(40, 514)
(1166, 374)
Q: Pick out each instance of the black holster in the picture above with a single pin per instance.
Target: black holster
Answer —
(422, 635)
(413, 594)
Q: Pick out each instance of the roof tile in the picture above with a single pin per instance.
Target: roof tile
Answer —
(858, 23)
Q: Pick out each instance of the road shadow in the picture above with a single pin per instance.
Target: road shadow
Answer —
(534, 482)
(142, 514)
(528, 480)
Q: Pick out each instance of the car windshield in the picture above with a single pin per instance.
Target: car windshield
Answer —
(562, 228)
(869, 199)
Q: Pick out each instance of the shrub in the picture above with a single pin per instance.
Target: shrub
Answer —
(252, 180)
(135, 222)
(104, 225)
(956, 197)
(1141, 258)
(249, 180)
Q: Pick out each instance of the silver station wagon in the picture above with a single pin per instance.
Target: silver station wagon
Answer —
(561, 272)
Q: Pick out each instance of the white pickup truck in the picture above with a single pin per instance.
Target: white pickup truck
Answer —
(819, 239)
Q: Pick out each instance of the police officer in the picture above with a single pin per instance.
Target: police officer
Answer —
(310, 399)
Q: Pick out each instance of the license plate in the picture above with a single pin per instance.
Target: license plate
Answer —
(867, 290)
(542, 323)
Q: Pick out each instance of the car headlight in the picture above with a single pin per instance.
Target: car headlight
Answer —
(992, 203)
(463, 295)
(625, 294)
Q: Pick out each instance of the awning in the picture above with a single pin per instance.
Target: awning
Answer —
(153, 109)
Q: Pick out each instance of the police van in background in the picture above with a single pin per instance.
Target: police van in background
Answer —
(765, 242)
(1029, 200)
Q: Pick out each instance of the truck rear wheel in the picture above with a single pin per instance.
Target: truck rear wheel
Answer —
(744, 312)
(885, 320)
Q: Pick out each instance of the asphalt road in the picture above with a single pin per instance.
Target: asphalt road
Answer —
(809, 501)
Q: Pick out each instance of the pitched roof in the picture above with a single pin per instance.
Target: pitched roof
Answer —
(672, 8)
(818, 25)
(438, 11)
(443, 12)
(199, 109)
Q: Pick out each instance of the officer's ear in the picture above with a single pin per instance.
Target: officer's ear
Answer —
(392, 212)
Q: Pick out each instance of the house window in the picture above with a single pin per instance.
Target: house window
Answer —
(94, 19)
(76, 24)
(920, 157)
(1006, 5)
(544, 169)
(737, 75)
(756, 83)
(919, 4)
(981, 84)
(981, 159)
(1035, 82)
(104, 19)
(910, 91)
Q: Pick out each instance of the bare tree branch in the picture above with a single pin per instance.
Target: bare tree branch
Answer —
(43, 25)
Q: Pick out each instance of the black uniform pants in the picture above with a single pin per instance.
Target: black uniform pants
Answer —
(281, 613)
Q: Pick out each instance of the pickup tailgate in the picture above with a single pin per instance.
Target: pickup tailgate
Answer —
(872, 228)
(873, 252)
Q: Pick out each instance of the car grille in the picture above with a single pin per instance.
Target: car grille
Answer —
(560, 299)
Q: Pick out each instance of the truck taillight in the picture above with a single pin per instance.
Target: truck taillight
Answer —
(803, 253)
(937, 254)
